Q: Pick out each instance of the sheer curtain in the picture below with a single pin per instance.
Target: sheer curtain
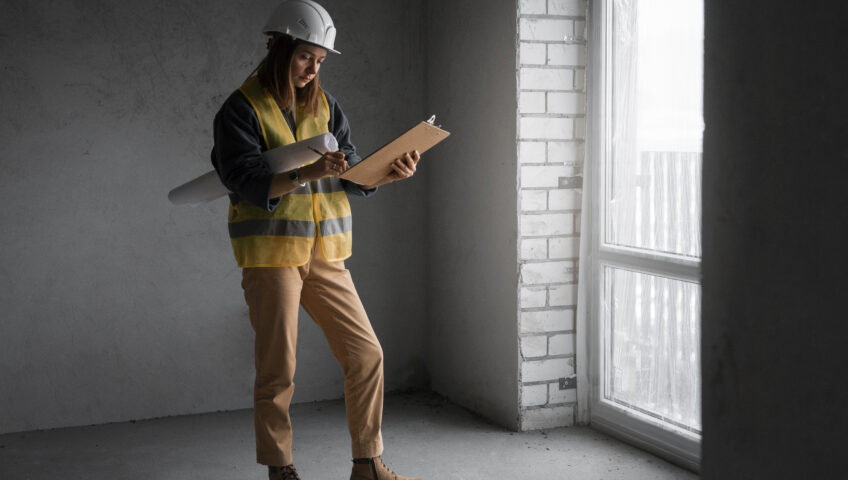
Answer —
(641, 243)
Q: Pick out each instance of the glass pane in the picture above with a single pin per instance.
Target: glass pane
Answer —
(653, 170)
(652, 346)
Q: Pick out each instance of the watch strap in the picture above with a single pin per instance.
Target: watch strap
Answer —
(294, 178)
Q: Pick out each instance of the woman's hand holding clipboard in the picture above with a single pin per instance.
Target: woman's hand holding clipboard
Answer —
(375, 167)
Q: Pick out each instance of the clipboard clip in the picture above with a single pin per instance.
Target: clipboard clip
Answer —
(432, 121)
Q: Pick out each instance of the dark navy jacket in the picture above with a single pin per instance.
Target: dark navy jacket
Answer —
(237, 154)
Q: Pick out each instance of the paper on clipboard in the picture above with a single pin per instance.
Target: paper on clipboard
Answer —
(374, 167)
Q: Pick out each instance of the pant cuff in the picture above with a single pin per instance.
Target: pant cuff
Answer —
(368, 449)
(274, 459)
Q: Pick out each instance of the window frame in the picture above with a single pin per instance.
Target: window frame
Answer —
(630, 426)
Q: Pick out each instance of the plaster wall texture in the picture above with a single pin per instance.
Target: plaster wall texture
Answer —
(774, 256)
(117, 305)
(472, 273)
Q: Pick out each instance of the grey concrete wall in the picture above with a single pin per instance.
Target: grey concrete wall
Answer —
(774, 260)
(117, 305)
(473, 265)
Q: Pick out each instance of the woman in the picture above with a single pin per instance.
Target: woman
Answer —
(291, 233)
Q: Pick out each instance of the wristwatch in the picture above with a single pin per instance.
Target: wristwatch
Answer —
(294, 178)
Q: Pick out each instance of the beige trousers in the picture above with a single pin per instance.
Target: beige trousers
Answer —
(326, 291)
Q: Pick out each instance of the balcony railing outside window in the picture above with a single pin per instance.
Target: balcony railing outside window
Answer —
(647, 244)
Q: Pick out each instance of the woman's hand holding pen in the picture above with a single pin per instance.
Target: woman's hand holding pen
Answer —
(331, 164)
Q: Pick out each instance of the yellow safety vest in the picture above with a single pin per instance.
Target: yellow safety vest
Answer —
(317, 212)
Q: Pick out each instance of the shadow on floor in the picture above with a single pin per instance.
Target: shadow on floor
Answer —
(424, 435)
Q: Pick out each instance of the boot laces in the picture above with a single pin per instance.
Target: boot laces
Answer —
(393, 474)
(286, 473)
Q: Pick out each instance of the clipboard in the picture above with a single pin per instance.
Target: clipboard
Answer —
(374, 167)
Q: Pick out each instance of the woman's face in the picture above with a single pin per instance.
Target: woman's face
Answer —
(306, 61)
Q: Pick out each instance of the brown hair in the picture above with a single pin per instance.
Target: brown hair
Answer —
(274, 74)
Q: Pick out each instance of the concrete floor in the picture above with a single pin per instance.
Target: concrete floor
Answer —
(424, 435)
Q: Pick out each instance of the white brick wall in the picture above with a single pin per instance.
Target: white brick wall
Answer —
(564, 199)
(534, 249)
(547, 224)
(561, 396)
(551, 79)
(550, 417)
(566, 247)
(534, 395)
(551, 133)
(534, 346)
(544, 176)
(538, 370)
(532, 152)
(545, 29)
(564, 102)
(532, 53)
(562, 344)
(567, 153)
(563, 295)
(533, 6)
(533, 297)
(541, 321)
(531, 102)
(560, 54)
(534, 200)
(547, 272)
(573, 8)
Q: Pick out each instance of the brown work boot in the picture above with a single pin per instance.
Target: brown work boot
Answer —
(374, 469)
(282, 473)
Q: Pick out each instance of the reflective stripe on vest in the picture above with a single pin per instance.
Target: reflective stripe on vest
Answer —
(319, 210)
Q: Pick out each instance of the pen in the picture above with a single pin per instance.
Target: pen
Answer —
(314, 150)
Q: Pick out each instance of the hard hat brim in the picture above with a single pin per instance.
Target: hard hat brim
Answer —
(300, 40)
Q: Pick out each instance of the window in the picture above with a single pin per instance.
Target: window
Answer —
(645, 241)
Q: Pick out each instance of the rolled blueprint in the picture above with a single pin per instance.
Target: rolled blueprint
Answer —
(208, 186)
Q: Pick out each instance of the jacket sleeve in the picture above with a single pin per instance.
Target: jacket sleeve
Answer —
(340, 128)
(237, 154)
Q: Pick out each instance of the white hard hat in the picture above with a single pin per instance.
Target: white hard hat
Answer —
(303, 20)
